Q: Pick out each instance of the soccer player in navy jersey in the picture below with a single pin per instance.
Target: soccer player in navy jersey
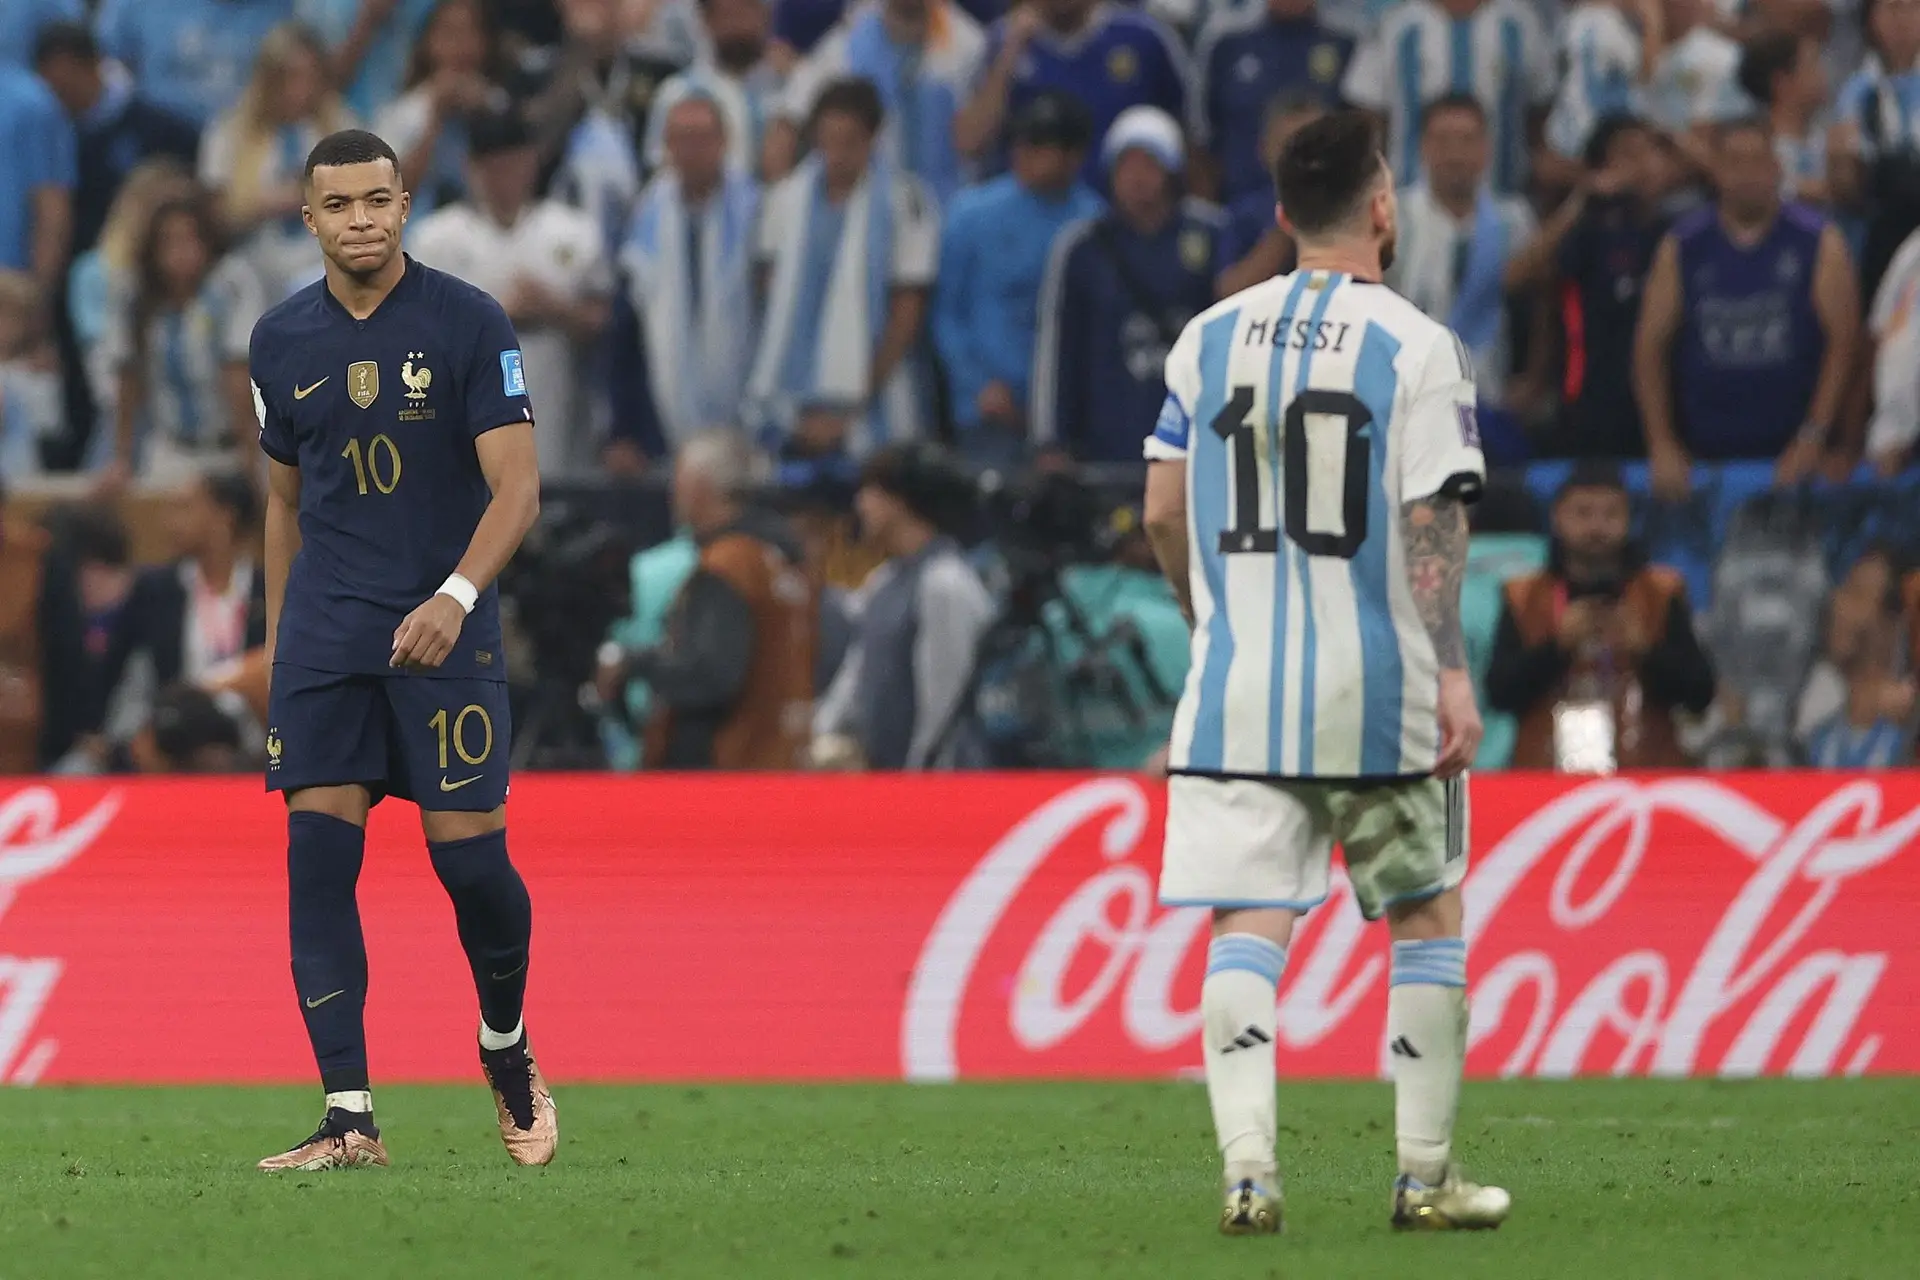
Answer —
(394, 415)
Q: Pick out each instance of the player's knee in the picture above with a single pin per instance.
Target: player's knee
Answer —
(450, 826)
(1439, 916)
(1275, 924)
(347, 803)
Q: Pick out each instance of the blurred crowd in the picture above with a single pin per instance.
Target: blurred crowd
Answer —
(881, 292)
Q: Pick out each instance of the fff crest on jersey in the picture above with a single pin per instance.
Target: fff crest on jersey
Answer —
(363, 382)
(418, 378)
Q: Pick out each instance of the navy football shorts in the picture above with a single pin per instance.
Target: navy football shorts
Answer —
(441, 743)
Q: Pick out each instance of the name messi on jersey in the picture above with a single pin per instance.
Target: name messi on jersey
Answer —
(1298, 335)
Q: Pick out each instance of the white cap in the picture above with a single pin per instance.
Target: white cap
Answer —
(1150, 129)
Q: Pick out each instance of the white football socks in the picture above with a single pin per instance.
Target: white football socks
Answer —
(1427, 1037)
(357, 1100)
(1237, 1005)
(491, 1039)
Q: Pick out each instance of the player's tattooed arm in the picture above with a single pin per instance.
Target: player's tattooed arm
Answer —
(1434, 532)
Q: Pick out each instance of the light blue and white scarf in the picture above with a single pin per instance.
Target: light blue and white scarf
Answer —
(824, 319)
(697, 365)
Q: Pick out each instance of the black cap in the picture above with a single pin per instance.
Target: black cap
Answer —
(493, 131)
(1053, 118)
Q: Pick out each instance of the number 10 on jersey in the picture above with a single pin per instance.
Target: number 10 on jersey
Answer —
(378, 463)
(1233, 424)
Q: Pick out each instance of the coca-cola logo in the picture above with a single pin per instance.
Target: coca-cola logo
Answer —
(33, 844)
(1594, 951)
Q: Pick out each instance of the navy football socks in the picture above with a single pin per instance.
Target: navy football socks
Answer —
(495, 917)
(329, 953)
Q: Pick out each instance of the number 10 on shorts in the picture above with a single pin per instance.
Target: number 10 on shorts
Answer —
(461, 731)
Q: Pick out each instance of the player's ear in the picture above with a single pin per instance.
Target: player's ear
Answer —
(406, 205)
(306, 216)
(1286, 223)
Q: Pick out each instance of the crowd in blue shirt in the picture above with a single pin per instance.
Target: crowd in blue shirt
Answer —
(1624, 205)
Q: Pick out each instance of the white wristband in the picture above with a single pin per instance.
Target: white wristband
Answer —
(462, 591)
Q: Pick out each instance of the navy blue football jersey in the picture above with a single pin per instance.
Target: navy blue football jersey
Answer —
(381, 416)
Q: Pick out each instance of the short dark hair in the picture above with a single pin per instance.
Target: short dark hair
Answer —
(233, 493)
(1592, 473)
(1328, 169)
(1769, 54)
(93, 533)
(349, 146)
(1611, 128)
(850, 95)
(1465, 103)
(65, 40)
(927, 480)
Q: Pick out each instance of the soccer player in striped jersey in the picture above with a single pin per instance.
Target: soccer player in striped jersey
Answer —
(1306, 494)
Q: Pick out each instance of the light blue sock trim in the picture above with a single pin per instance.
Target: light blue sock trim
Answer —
(1249, 952)
(1438, 962)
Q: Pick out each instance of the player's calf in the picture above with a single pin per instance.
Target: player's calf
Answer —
(1237, 1002)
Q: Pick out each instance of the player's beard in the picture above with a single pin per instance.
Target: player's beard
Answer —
(1388, 244)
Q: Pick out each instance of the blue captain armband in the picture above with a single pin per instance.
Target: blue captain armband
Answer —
(513, 375)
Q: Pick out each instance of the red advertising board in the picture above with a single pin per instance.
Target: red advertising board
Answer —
(931, 928)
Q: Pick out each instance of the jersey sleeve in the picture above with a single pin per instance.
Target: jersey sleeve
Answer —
(496, 390)
(1440, 439)
(916, 236)
(1174, 428)
(277, 439)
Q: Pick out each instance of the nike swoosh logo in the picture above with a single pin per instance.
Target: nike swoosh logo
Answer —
(455, 786)
(502, 977)
(301, 393)
(315, 1004)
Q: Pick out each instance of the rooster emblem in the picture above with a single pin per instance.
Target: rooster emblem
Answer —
(417, 380)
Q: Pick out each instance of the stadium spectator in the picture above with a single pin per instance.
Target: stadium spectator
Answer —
(1695, 84)
(1119, 289)
(1457, 241)
(1108, 56)
(900, 698)
(38, 173)
(1894, 338)
(24, 687)
(1245, 59)
(188, 733)
(689, 267)
(177, 348)
(1594, 653)
(193, 57)
(454, 73)
(22, 21)
(544, 263)
(1874, 730)
(1854, 676)
(737, 72)
(732, 679)
(1783, 72)
(89, 702)
(30, 394)
(993, 258)
(208, 621)
(588, 104)
(923, 56)
(1598, 248)
(102, 279)
(255, 157)
(371, 41)
(1873, 152)
(1747, 333)
(1611, 49)
(117, 128)
(847, 249)
(1494, 50)
(1253, 244)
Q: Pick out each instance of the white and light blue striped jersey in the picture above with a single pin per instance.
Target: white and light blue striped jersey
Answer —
(1602, 75)
(1498, 53)
(1308, 408)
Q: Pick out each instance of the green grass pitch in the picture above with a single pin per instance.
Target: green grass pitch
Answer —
(1610, 1179)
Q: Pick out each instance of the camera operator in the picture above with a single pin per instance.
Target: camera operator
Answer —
(1593, 653)
(900, 698)
(732, 679)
